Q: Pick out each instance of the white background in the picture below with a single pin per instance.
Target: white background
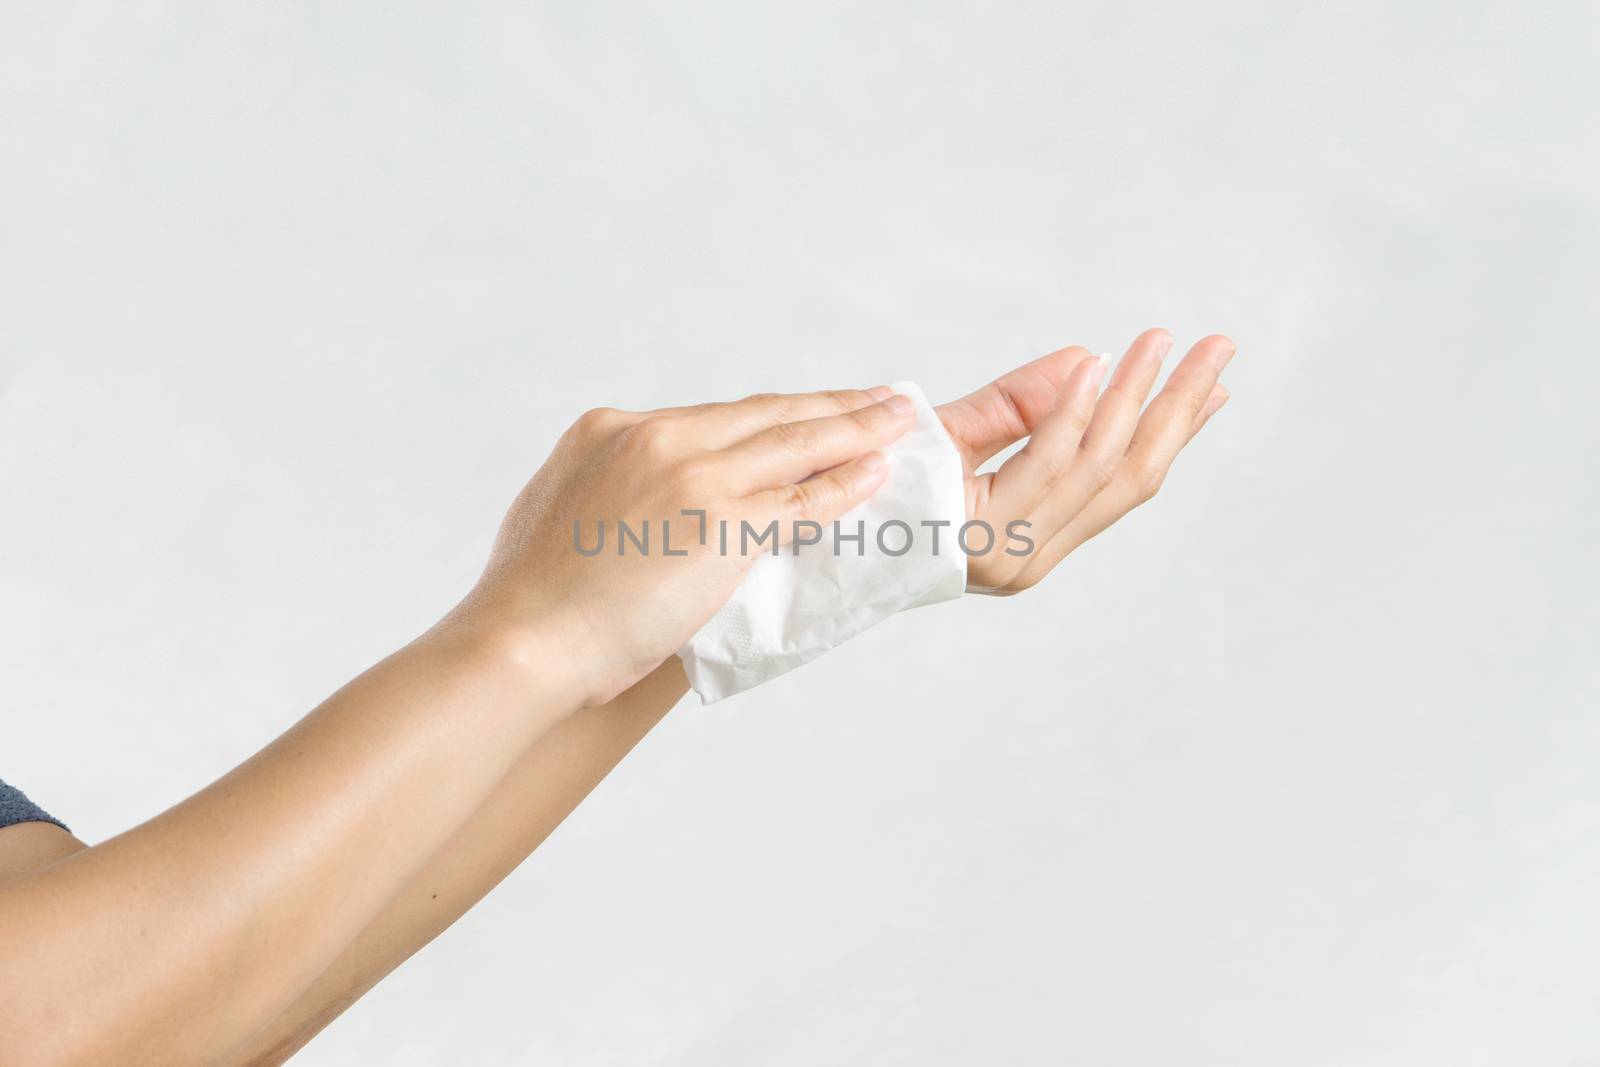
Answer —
(1298, 765)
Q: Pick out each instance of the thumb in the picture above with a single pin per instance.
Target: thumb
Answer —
(1008, 408)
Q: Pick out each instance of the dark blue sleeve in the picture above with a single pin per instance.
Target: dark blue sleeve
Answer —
(15, 807)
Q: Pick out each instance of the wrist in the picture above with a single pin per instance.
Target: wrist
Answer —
(530, 658)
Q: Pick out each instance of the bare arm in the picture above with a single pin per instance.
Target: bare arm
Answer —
(237, 925)
(544, 787)
(29, 846)
(168, 942)
(564, 766)
(176, 941)
(541, 790)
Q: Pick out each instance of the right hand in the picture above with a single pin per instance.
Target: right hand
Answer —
(613, 618)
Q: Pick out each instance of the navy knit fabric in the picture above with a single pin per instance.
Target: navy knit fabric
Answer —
(16, 807)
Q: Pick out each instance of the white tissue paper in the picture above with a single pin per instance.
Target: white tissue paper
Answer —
(791, 608)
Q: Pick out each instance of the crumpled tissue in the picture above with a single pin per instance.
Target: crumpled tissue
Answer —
(794, 606)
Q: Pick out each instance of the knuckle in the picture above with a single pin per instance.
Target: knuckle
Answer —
(1168, 405)
(1147, 478)
(596, 422)
(814, 495)
(712, 407)
(1079, 419)
(772, 405)
(1114, 395)
(868, 419)
(654, 437)
(1102, 469)
(841, 399)
(693, 475)
(798, 438)
(1053, 467)
(799, 498)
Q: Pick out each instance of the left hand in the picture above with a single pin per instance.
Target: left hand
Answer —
(1091, 457)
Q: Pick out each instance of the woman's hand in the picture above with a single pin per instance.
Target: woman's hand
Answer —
(675, 476)
(307, 844)
(1090, 458)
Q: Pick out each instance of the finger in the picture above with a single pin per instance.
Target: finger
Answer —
(1168, 423)
(1219, 396)
(721, 425)
(1116, 414)
(793, 451)
(1008, 408)
(1111, 505)
(733, 420)
(1100, 513)
(1118, 411)
(1025, 479)
(822, 497)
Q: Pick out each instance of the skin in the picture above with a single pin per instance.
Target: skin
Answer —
(391, 809)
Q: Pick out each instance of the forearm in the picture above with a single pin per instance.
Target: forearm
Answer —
(174, 941)
(180, 939)
(550, 780)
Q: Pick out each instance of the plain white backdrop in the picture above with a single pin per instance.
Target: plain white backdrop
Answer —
(1299, 765)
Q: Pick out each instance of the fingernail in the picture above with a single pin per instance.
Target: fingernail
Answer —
(1098, 374)
(880, 392)
(901, 404)
(873, 462)
(1164, 346)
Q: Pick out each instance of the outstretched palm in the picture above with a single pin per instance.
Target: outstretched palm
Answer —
(1090, 458)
